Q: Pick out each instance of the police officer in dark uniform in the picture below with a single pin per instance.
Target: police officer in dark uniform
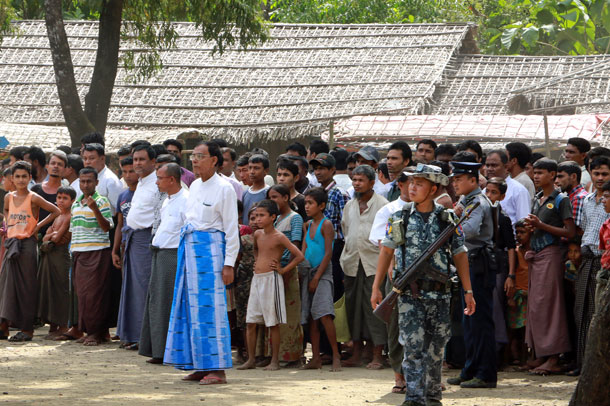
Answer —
(479, 336)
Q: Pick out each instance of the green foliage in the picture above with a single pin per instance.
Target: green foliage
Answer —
(367, 11)
(535, 27)
(546, 27)
(227, 23)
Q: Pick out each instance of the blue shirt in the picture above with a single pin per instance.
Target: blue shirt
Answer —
(123, 205)
(249, 199)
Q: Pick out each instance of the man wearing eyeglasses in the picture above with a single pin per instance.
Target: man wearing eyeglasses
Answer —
(199, 337)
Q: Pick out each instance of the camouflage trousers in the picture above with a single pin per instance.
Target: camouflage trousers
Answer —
(425, 327)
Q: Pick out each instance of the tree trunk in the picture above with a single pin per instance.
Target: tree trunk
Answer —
(75, 117)
(592, 388)
(97, 101)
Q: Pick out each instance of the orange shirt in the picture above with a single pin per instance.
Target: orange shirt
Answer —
(21, 222)
(522, 272)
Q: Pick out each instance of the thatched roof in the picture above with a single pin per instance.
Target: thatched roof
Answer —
(50, 137)
(481, 84)
(293, 85)
(492, 131)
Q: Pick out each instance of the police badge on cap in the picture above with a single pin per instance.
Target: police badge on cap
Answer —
(461, 168)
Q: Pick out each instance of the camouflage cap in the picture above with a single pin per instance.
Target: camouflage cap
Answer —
(430, 172)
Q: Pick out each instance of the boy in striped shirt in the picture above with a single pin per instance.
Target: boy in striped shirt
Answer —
(90, 223)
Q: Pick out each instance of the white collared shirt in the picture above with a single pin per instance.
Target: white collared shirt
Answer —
(173, 216)
(76, 186)
(343, 181)
(109, 186)
(212, 205)
(585, 177)
(239, 191)
(313, 181)
(145, 199)
(380, 224)
(526, 181)
(517, 202)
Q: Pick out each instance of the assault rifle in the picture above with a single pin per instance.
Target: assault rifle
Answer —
(417, 268)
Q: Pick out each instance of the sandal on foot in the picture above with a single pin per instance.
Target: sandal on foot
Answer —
(399, 389)
(63, 337)
(19, 338)
(212, 380)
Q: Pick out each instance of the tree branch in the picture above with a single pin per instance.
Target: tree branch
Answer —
(97, 100)
(75, 117)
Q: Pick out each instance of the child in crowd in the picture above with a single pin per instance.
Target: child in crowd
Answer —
(54, 267)
(317, 281)
(243, 276)
(291, 225)
(258, 167)
(288, 175)
(505, 250)
(7, 180)
(8, 186)
(604, 244)
(516, 293)
(266, 304)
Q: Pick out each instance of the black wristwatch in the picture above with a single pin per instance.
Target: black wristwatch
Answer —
(512, 276)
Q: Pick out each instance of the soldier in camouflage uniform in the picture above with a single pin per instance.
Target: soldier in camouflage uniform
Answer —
(423, 312)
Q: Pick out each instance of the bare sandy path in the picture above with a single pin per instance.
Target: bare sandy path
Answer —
(49, 373)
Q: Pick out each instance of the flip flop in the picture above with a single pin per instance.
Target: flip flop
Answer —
(544, 372)
(63, 337)
(192, 377)
(399, 389)
(212, 380)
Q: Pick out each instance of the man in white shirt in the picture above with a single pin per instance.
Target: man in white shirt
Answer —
(316, 147)
(519, 155)
(164, 261)
(341, 178)
(137, 258)
(227, 172)
(199, 340)
(75, 164)
(109, 184)
(516, 203)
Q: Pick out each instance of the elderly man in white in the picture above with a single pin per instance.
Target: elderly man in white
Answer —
(199, 337)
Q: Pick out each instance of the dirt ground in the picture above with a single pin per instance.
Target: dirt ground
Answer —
(49, 373)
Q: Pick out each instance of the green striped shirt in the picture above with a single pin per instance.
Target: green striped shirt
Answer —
(87, 235)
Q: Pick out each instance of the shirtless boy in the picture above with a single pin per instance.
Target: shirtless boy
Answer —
(54, 267)
(266, 304)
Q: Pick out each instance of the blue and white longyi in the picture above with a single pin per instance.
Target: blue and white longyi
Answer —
(199, 336)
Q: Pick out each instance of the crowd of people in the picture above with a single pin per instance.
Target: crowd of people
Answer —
(191, 265)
